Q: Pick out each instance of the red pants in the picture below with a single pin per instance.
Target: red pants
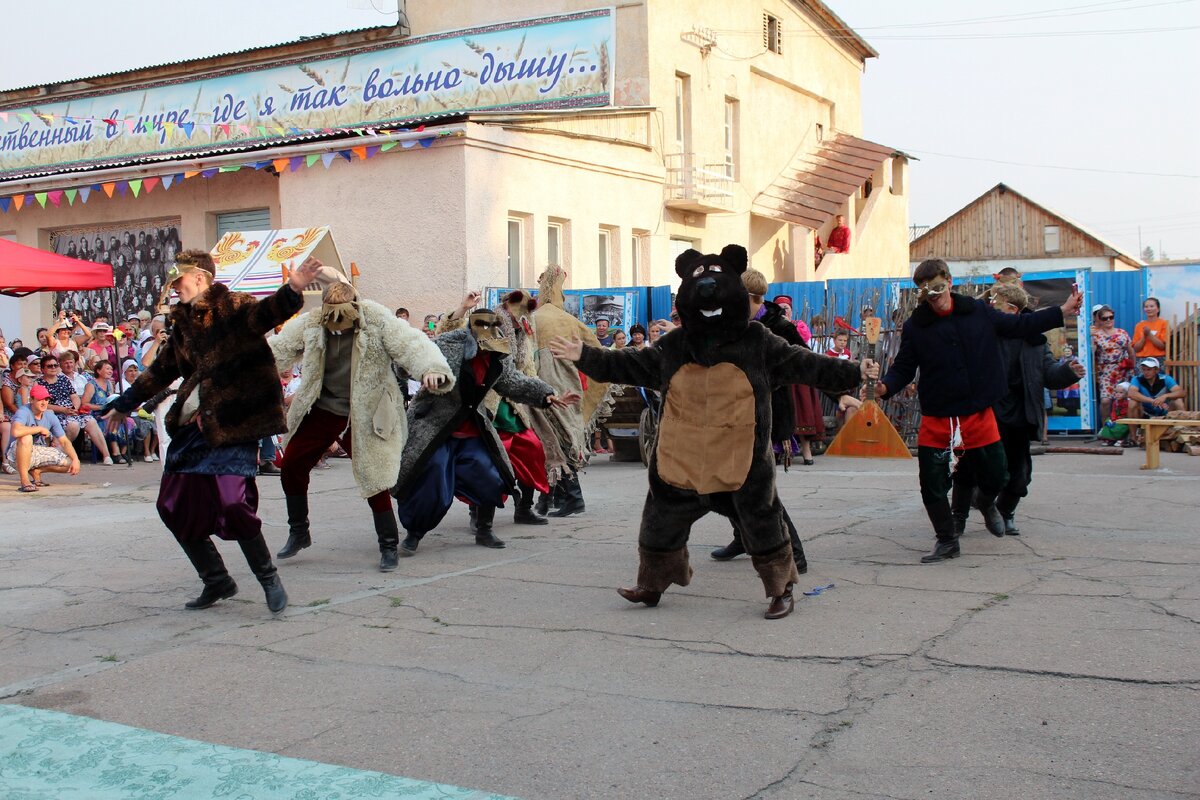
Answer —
(527, 457)
(317, 431)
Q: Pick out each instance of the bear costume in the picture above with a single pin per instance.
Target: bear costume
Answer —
(713, 453)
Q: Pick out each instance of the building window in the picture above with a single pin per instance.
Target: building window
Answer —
(258, 219)
(772, 33)
(820, 132)
(731, 138)
(683, 112)
(607, 258)
(515, 250)
(1050, 233)
(640, 258)
(554, 240)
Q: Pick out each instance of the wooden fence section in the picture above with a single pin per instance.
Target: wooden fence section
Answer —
(1183, 354)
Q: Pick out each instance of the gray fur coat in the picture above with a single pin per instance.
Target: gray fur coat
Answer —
(432, 418)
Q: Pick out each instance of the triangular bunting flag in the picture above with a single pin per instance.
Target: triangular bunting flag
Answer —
(387, 146)
(149, 184)
(280, 164)
(373, 150)
(190, 173)
(279, 130)
(5, 202)
(346, 155)
(206, 127)
(327, 159)
(295, 161)
(131, 123)
(41, 198)
(167, 181)
(427, 142)
(18, 201)
(71, 196)
(408, 143)
(108, 188)
(311, 159)
(84, 193)
(208, 173)
(231, 168)
(55, 197)
(361, 152)
(169, 127)
(262, 130)
(4, 116)
(261, 164)
(122, 187)
(188, 128)
(224, 129)
(244, 129)
(136, 186)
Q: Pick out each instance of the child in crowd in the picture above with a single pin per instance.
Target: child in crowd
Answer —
(1113, 433)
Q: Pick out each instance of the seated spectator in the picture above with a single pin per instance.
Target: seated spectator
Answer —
(637, 337)
(5, 352)
(848, 405)
(402, 313)
(66, 404)
(34, 365)
(841, 346)
(16, 344)
(103, 343)
(10, 385)
(43, 342)
(100, 388)
(143, 433)
(618, 339)
(70, 367)
(1154, 394)
(39, 443)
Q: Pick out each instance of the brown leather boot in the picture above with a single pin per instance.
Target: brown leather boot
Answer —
(637, 594)
(781, 606)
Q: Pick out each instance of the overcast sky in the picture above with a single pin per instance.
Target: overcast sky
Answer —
(961, 86)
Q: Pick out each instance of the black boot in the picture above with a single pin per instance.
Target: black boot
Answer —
(732, 550)
(1006, 504)
(542, 506)
(388, 533)
(572, 498)
(483, 528)
(211, 569)
(472, 517)
(258, 556)
(960, 506)
(523, 514)
(992, 519)
(409, 546)
(298, 535)
(943, 526)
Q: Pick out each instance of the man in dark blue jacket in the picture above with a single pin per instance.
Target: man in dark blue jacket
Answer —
(954, 340)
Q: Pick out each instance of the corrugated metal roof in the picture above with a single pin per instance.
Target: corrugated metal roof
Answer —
(196, 59)
(231, 147)
(817, 185)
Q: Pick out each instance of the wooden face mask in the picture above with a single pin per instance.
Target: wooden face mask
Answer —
(485, 327)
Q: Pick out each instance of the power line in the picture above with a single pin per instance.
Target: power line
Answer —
(1052, 166)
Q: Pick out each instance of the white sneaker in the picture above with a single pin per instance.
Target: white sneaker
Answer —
(108, 462)
(148, 460)
(8, 469)
(153, 457)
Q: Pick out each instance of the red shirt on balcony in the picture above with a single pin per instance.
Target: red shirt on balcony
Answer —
(839, 237)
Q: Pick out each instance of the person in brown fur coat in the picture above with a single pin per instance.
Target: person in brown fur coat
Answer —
(229, 399)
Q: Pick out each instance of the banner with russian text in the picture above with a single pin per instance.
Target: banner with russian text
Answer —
(564, 61)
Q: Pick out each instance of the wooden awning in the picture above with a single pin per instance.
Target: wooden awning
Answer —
(815, 187)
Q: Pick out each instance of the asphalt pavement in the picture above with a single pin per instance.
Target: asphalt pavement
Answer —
(1063, 663)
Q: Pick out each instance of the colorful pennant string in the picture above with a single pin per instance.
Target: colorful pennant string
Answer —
(140, 186)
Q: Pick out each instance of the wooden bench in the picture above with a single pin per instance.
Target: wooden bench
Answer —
(1152, 430)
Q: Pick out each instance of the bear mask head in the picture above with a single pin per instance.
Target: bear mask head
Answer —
(711, 298)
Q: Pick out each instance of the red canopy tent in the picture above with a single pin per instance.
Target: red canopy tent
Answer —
(25, 270)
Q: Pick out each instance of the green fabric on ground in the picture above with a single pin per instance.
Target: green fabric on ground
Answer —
(47, 755)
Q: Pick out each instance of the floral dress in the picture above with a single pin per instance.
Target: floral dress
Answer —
(101, 392)
(1112, 364)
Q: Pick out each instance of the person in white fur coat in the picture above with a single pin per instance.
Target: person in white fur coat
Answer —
(350, 395)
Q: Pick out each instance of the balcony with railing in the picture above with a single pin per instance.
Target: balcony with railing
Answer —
(698, 187)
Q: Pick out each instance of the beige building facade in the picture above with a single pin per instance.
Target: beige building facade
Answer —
(726, 121)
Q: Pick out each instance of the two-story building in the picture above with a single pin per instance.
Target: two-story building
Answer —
(473, 145)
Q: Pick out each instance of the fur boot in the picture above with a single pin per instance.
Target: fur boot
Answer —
(777, 570)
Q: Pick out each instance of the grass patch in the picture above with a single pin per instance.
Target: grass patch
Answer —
(396, 601)
(315, 603)
(113, 658)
